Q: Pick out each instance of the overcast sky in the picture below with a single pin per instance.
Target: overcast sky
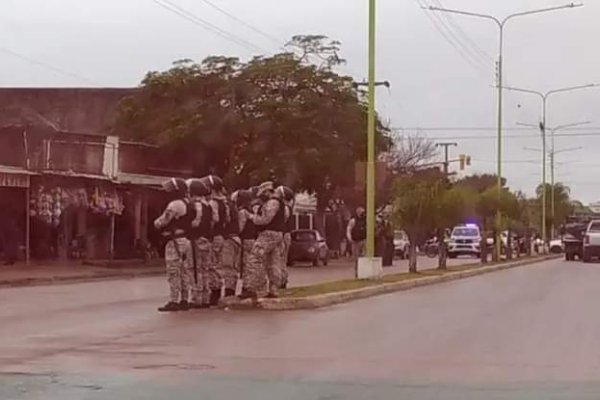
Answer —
(435, 85)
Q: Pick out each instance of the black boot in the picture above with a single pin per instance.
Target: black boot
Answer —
(215, 296)
(170, 306)
(184, 305)
(248, 294)
(199, 306)
(229, 292)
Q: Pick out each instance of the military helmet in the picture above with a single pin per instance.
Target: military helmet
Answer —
(197, 187)
(286, 193)
(213, 182)
(176, 186)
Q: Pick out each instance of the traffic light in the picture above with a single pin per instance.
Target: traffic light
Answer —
(463, 159)
(468, 160)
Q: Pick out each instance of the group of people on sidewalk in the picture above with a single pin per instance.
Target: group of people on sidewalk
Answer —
(219, 244)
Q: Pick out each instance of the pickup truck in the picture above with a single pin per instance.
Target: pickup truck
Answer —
(591, 241)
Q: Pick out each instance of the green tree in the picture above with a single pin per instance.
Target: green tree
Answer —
(562, 204)
(480, 182)
(277, 116)
(416, 199)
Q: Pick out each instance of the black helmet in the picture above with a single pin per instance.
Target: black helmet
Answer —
(286, 193)
(213, 182)
(176, 186)
(242, 197)
(197, 187)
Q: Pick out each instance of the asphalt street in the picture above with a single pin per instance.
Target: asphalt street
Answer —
(526, 333)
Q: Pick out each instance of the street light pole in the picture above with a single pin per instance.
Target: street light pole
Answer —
(544, 97)
(501, 24)
(370, 245)
(446, 155)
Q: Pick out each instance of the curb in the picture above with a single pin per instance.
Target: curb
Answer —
(329, 299)
(23, 282)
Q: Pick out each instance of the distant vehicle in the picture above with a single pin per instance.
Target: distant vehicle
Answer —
(572, 237)
(464, 240)
(308, 245)
(401, 244)
(591, 241)
(556, 246)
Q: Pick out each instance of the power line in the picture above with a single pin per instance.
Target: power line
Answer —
(451, 38)
(241, 21)
(47, 66)
(481, 129)
(484, 56)
(183, 13)
(494, 137)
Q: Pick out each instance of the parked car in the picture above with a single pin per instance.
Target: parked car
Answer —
(464, 240)
(401, 244)
(591, 241)
(309, 246)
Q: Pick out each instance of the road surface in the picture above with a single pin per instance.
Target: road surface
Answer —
(526, 333)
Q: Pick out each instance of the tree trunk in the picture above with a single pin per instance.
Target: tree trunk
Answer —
(412, 259)
(483, 247)
(509, 248)
(495, 253)
(443, 251)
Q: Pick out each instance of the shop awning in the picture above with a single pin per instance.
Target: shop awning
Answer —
(14, 176)
(140, 179)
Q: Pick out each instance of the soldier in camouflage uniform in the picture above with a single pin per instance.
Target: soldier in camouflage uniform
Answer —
(246, 204)
(200, 241)
(174, 224)
(232, 247)
(267, 251)
(217, 202)
(288, 197)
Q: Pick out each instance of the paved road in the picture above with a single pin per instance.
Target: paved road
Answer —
(526, 333)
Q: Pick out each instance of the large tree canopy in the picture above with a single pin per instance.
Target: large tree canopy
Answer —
(277, 116)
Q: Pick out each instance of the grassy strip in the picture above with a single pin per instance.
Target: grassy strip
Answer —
(352, 284)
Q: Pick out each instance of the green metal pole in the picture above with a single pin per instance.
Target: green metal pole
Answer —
(544, 230)
(371, 137)
(499, 144)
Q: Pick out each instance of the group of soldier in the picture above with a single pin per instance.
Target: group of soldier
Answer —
(222, 245)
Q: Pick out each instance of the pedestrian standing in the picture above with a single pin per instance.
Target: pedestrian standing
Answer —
(267, 251)
(201, 242)
(356, 233)
(174, 225)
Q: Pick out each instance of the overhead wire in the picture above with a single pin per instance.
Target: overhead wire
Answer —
(483, 55)
(47, 66)
(450, 37)
(186, 14)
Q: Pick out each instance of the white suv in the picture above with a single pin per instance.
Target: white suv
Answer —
(464, 240)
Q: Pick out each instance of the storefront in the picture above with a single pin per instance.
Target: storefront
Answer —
(73, 217)
(14, 192)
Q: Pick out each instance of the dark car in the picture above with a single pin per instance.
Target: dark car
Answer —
(308, 245)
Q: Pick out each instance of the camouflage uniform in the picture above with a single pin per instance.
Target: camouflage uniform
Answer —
(178, 256)
(230, 262)
(266, 256)
(248, 234)
(203, 261)
(178, 261)
(214, 278)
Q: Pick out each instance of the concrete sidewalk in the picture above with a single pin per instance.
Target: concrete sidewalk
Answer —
(74, 271)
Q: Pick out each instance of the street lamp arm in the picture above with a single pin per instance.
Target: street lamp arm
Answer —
(559, 127)
(514, 89)
(568, 89)
(567, 150)
(543, 10)
(467, 13)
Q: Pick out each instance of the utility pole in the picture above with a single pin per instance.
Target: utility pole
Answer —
(544, 96)
(501, 23)
(371, 134)
(446, 145)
